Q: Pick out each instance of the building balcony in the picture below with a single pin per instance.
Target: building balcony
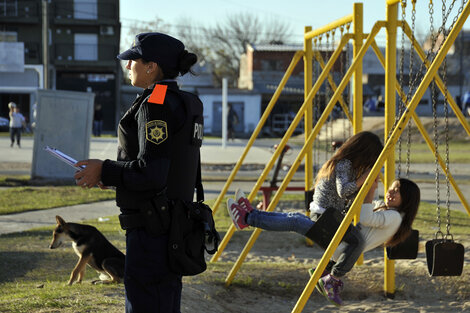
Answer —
(23, 12)
(76, 55)
(84, 13)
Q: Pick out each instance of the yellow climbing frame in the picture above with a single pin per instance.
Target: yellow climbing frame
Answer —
(387, 155)
(361, 42)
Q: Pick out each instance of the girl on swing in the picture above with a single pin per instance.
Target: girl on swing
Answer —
(337, 183)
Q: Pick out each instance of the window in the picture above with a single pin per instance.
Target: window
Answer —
(85, 9)
(271, 65)
(8, 8)
(86, 47)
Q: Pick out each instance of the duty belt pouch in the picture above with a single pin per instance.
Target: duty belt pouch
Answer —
(324, 229)
(156, 215)
(192, 227)
(186, 241)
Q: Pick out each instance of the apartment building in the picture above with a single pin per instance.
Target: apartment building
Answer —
(63, 45)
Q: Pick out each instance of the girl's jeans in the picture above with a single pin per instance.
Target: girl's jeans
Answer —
(300, 223)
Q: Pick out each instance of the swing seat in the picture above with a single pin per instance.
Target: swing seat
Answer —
(324, 229)
(408, 249)
(444, 257)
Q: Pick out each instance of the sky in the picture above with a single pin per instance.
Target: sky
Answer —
(297, 13)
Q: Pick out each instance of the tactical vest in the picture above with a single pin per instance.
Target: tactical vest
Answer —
(185, 156)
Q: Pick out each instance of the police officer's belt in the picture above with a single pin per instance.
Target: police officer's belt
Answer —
(131, 221)
(154, 216)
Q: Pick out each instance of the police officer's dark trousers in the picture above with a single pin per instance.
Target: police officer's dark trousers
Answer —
(150, 286)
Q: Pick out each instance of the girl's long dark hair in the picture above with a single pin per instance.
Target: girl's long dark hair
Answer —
(410, 197)
(362, 150)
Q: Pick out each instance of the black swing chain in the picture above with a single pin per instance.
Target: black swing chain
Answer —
(433, 90)
(330, 95)
(343, 114)
(316, 99)
(434, 114)
(327, 96)
(401, 69)
(446, 117)
(411, 87)
(419, 73)
(348, 54)
(433, 96)
(403, 102)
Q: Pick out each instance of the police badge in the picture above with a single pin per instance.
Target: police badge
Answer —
(156, 131)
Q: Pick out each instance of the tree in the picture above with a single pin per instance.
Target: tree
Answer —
(221, 45)
(193, 34)
(228, 41)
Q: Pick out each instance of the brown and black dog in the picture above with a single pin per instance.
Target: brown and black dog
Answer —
(92, 248)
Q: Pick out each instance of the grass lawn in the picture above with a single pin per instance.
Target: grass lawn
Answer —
(29, 198)
(33, 278)
(420, 153)
(37, 281)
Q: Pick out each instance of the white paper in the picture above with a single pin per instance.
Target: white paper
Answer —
(63, 157)
(69, 160)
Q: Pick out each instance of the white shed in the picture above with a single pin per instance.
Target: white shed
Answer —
(246, 103)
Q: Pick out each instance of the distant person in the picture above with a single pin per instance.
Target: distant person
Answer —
(232, 121)
(17, 122)
(466, 103)
(98, 121)
(380, 103)
(370, 105)
(458, 100)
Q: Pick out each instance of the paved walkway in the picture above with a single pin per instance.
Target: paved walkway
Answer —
(18, 161)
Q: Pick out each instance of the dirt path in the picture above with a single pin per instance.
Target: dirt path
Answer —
(275, 274)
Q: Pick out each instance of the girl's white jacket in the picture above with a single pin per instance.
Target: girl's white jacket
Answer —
(376, 227)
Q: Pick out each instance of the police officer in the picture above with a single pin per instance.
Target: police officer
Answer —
(158, 157)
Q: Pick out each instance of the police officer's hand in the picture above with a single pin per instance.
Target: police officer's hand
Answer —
(90, 176)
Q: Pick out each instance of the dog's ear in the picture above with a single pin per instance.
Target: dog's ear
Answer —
(60, 220)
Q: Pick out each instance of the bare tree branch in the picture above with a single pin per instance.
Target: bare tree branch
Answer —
(223, 44)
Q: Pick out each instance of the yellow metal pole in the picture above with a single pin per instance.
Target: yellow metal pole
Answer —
(308, 74)
(332, 83)
(358, 22)
(349, 216)
(431, 146)
(390, 107)
(439, 82)
(425, 134)
(258, 128)
(298, 55)
(289, 132)
(326, 28)
(334, 87)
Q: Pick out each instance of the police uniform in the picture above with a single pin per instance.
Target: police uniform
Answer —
(158, 153)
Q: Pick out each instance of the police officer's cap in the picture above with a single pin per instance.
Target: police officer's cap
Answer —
(157, 47)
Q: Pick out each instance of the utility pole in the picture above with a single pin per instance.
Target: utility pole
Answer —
(461, 52)
(45, 44)
(224, 112)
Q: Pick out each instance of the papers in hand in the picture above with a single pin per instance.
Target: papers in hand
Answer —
(63, 157)
(70, 161)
